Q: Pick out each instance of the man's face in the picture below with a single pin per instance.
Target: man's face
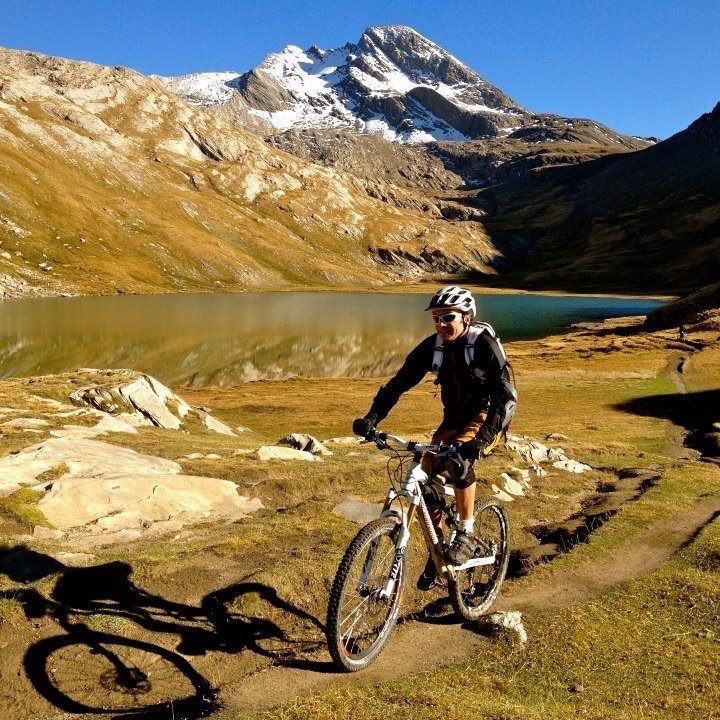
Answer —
(450, 324)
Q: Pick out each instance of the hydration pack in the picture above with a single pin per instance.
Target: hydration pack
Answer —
(475, 330)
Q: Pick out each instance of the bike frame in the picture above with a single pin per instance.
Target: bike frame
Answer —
(411, 491)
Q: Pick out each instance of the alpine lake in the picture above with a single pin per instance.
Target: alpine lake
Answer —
(200, 340)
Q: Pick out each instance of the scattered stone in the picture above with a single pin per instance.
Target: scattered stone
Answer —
(129, 394)
(214, 424)
(300, 441)
(511, 486)
(501, 494)
(276, 452)
(572, 466)
(534, 453)
(507, 621)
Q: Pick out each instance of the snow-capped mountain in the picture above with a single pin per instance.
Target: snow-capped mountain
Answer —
(393, 82)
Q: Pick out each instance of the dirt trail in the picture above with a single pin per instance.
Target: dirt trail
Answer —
(416, 646)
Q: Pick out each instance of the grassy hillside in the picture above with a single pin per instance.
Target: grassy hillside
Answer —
(111, 184)
(647, 220)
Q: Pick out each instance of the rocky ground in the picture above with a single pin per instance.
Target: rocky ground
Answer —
(189, 533)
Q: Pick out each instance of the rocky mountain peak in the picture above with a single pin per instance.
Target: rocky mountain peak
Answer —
(393, 83)
(420, 59)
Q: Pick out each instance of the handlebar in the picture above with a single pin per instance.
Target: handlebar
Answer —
(382, 440)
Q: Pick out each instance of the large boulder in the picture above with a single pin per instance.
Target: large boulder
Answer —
(142, 400)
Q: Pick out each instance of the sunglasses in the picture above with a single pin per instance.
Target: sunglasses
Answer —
(446, 318)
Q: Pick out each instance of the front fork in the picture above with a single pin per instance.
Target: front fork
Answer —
(411, 490)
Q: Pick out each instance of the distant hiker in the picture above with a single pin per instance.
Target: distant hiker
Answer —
(681, 333)
(681, 364)
(478, 400)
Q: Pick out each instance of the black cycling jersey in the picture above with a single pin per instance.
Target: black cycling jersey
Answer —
(463, 394)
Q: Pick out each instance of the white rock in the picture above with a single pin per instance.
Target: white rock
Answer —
(510, 621)
(511, 486)
(213, 424)
(149, 398)
(126, 501)
(501, 494)
(572, 466)
(83, 457)
(276, 452)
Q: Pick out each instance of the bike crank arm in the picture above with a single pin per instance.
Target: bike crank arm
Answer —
(473, 562)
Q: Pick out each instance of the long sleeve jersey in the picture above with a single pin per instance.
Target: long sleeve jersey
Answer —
(463, 394)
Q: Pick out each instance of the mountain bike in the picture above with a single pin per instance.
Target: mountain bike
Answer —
(367, 590)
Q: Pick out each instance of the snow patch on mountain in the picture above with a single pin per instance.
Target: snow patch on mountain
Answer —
(393, 82)
(209, 88)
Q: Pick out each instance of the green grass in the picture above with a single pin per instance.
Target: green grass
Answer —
(22, 506)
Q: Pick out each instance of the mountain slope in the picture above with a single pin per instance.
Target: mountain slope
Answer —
(648, 220)
(110, 183)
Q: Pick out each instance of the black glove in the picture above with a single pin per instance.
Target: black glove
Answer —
(364, 427)
(457, 467)
(471, 450)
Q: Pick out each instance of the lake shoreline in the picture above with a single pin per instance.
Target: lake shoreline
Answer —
(408, 289)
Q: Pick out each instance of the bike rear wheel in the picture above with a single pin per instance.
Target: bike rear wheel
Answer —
(363, 608)
(475, 589)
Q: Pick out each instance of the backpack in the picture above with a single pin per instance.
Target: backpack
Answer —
(473, 333)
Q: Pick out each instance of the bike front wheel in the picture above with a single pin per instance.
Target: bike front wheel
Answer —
(475, 589)
(364, 600)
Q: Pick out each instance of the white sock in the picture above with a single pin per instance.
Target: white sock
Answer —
(467, 525)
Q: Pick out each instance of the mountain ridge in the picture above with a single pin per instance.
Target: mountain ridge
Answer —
(393, 82)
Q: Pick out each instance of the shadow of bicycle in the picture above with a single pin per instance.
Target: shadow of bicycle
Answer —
(91, 669)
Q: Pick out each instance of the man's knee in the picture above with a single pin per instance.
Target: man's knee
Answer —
(466, 481)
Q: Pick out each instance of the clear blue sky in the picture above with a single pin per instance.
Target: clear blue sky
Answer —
(644, 67)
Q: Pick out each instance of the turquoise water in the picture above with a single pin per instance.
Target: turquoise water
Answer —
(226, 339)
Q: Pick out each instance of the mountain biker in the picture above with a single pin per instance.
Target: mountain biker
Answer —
(477, 404)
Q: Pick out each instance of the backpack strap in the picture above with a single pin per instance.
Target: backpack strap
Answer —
(474, 332)
(437, 355)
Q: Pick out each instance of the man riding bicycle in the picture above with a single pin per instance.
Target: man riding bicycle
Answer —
(477, 397)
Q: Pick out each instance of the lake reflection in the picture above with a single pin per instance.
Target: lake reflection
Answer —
(226, 339)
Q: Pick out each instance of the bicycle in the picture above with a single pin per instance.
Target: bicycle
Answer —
(367, 590)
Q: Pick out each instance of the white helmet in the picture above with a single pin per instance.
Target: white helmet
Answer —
(453, 297)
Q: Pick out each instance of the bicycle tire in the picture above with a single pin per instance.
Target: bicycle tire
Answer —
(473, 591)
(100, 673)
(359, 621)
